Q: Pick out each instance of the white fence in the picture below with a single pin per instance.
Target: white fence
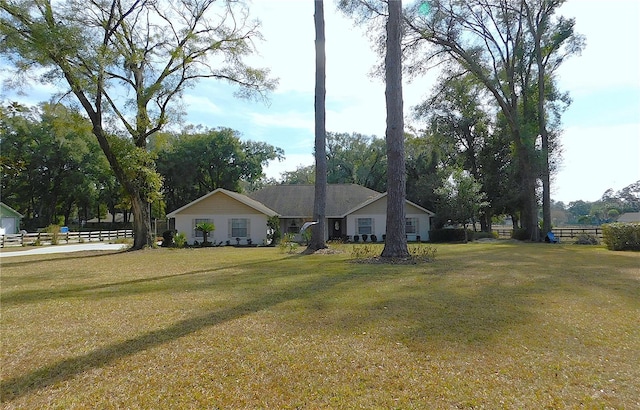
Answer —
(46, 238)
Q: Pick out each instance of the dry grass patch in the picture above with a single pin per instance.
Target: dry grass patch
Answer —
(498, 325)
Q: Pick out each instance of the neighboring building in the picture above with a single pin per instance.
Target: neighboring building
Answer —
(9, 220)
(629, 217)
(350, 210)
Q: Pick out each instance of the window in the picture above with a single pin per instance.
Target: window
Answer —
(364, 226)
(411, 226)
(239, 228)
(196, 222)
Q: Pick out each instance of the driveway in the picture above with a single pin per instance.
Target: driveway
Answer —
(39, 250)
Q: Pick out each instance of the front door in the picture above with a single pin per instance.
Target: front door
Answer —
(335, 228)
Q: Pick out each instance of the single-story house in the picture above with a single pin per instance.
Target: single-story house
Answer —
(350, 210)
(9, 220)
(234, 216)
(629, 217)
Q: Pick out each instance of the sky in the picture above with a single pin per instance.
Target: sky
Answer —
(601, 137)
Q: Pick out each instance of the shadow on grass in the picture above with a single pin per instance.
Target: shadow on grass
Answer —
(68, 368)
(40, 295)
(84, 255)
(421, 307)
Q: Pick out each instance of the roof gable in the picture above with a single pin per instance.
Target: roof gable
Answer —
(296, 201)
(6, 210)
(243, 199)
(384, 197)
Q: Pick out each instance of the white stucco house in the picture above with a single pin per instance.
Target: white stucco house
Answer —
(234, 216)
(350, 210)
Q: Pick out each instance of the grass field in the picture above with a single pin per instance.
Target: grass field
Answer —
(492, 325)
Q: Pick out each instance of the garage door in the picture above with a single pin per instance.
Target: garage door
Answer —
(9, 225)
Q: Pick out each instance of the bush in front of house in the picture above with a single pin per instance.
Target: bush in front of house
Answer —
(180, 240)
(587, 239)
(485, 235)
(167, 239)
(449, 235)
(622, 236)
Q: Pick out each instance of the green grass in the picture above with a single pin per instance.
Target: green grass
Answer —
(494, 325)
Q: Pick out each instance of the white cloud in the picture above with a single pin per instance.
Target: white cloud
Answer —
(201, 104)
(288, 119)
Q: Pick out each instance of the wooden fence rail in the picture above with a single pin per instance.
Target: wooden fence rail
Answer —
(559, 232)
(47, 238)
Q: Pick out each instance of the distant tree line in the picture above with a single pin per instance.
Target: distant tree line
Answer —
(53, 171)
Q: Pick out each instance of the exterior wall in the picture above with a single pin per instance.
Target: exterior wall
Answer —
(221, 209)
(9, 220)
(378, 210)
(257, 228)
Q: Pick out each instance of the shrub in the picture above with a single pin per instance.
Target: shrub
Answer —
(167, 239)
(356, 238)
(520, 234)
(587, 239)
(364, 252)
(374, 238)
(274, 234)
(449, 235)
(287, 244)
(180, 240)
(485, 235)
(54, 230)
(205, 228)
(422, 252)
(622, 236)
(365, 237)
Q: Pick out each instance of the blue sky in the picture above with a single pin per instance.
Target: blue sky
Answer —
(601, 138)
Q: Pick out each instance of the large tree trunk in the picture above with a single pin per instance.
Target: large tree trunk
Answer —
(319, 203)
(542, 125)
(141, 223)
(396, 241)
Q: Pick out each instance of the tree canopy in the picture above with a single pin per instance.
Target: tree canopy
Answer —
(127, 63)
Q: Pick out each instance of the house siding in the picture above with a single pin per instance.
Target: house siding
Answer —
(221, 209)
(378, 211)
(9, 220)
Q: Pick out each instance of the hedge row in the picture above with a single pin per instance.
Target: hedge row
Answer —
(457, 235)
(622, 236)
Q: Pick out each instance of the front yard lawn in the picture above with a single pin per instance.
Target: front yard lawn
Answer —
(492, 325)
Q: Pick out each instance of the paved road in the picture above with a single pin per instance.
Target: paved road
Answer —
(39, 250)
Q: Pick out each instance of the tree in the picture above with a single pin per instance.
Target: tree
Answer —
(193, 164)
(205, 228)
(396, 242)
(51, 164)
(356, 159)
(494, 41)
(553, 41)
(391, 43)
(126, 63)
(320, 189)
(301, 175)
(462, 199)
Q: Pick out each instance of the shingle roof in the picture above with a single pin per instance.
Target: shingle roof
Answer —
(296, 201)
(629, 217)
